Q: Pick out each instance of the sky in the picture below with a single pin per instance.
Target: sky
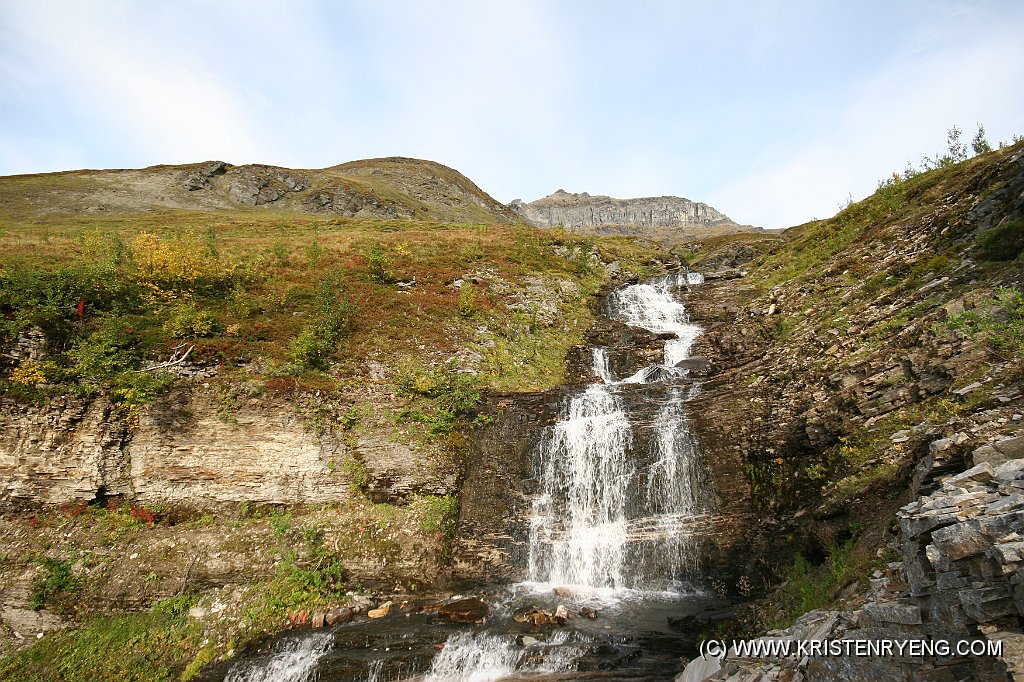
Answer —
(772, 112)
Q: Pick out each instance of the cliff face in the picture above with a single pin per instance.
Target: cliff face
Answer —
(584, 210)
(187, 450)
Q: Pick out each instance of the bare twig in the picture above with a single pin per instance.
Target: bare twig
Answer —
(174, 360)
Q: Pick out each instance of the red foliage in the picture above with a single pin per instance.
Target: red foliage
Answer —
(141, 514)
(280, 384)
(72, 509)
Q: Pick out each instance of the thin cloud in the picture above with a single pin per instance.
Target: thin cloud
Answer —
(897, 116)
(136, 89)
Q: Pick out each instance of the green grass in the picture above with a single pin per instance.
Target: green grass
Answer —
(998, 320)
(808, 587)
(133, 647)
(1004, 242)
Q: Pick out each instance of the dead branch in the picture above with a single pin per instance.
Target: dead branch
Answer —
(172, 361)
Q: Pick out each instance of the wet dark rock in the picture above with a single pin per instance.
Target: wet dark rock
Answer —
(469, 610)
(540, 617)
(697, 365)
(588, 612)
(339, 616)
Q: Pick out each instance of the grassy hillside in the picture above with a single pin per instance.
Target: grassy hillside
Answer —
(392, 187)
(294, 300)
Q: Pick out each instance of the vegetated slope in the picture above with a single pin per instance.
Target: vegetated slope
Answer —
(254, 413)
(667, 219)
(373, 188)
(865, 358)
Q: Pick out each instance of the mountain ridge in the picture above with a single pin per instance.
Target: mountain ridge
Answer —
(664, 218)
(387, 187)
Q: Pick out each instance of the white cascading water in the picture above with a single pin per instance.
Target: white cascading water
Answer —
(588, 529)
(652, 307)
(295, 662)
(482, 657)
(578, 528)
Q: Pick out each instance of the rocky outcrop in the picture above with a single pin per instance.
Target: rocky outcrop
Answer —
(186, 450)
(962, 547)
(200, 177)
(256, 185)
(583, 210)
(959, 583)
(67, 449)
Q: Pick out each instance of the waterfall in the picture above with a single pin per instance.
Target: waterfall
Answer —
(652, 307)
(295, 661)
(607, 516)
(481, 657)
(620, 499)
(578, 526)
(601, 365)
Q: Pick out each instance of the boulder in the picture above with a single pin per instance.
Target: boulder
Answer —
(902, 614)
(699, 669)
(1000, 452)
(338, 616)
(470, 610)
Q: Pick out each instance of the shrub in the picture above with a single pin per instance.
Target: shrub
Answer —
(188, 321)
(29, 374)
(467, 300)
(333, 318)
(58, 579)
(314, 253)
(1001, 243)
(378, 264)
(109, 350)
(358, 473)
(168, 267)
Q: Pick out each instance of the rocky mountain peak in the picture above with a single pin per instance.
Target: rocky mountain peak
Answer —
(656, 217)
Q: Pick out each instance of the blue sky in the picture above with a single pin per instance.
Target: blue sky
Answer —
(773, 112)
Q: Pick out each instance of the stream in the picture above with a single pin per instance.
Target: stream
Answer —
(621, 509)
